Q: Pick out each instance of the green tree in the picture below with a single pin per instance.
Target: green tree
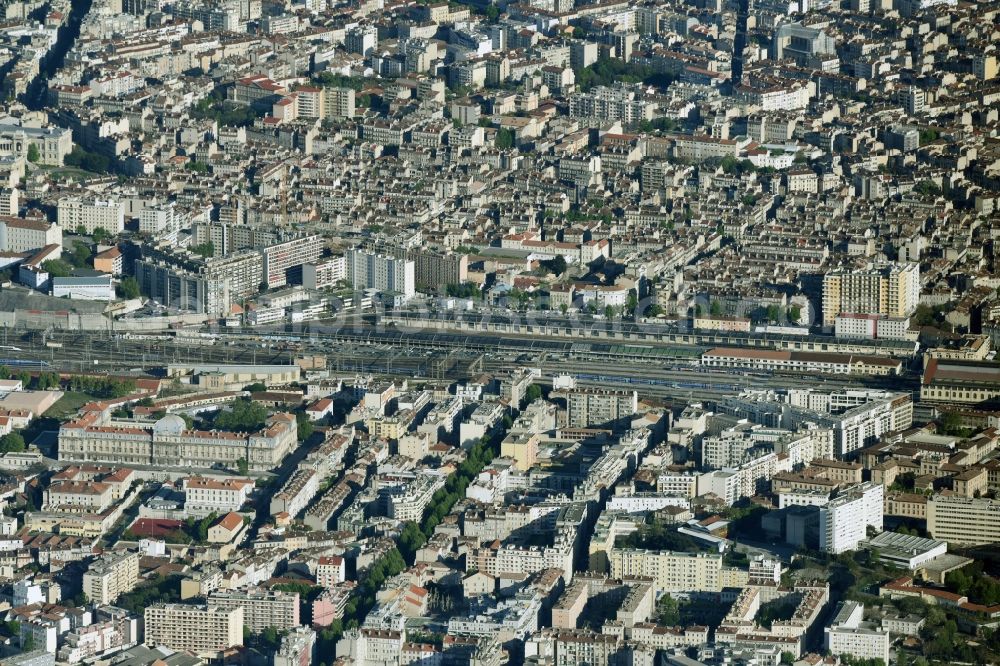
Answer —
(12, 442)
(794, 314)
(556, 265)
(504, 139)
(410, 540)
(128, 288)
(928, 188)
(206, 249)
(304, 427)
(609, 312)
(243, 416)
(100, 235)
(57, 268)
(243, 466)
(716, 308)
(80, 255)
(951, 423)
(532, 393)
(668, 612)
(87, 161)
(33, 154)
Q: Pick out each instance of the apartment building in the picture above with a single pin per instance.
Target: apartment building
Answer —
(857, 418)
(409, 500)
(202, 629)
(338, 103)
(431, 270)
(211, 285)
(298, 648)
(110, 577)
(368, 270)
(160, 221)
(261, 608)
(280, 258)
(91, 214)
(861, 326)
(208, 495)
(676, 572)
(330, 571)
(19, 235)
(963, 520)
(623, 102)
(324, 274)
(890, 289)
(849, 634)
(844, 520)
(297, 492)
(586, 407)
(87, 496)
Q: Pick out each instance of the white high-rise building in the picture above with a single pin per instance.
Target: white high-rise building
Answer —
(91, 214)
(849, 634)
(844, 521)
(160, 222)
(368, 270)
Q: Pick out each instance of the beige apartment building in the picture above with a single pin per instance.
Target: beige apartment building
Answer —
(110, 577)
(261, 608)
(892, 290)
(675, 571)
(194, 628)
(586, 407)
(220, 495)
(964, 520)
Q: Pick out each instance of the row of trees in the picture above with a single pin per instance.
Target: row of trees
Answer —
(361, 602)
(101, 387)
(40, 382)
(413, 536)
(88, 161)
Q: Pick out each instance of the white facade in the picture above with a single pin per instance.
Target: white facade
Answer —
(849, 635)
(367, 270)
(844, 521)
(18, 235)
(91, 214)
(98, 288)
(871, 327)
